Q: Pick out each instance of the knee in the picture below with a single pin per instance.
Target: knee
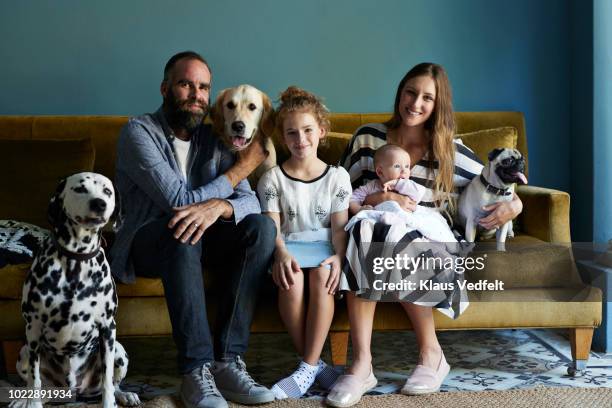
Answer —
(176, 248)
(179, 260)
(295, 291)
(259, 230)
(317, 279)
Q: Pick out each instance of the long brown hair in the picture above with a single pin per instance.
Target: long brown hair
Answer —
(440, 127)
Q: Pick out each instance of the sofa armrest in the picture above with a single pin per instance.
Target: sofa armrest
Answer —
(545, 213)
(334, 145)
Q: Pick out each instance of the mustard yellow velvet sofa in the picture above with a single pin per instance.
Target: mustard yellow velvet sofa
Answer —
(542, 286)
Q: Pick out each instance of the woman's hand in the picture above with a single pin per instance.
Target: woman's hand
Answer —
(335, 263)
(502, 212)
(405, 202)
(283, 268)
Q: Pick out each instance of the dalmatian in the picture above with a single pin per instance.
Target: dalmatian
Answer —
(69, 299)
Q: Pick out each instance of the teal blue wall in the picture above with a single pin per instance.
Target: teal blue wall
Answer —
(602, 121)
(602, 149)
(581, 140)
(83, 57)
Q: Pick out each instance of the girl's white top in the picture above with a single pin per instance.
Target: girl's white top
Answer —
(305, 206)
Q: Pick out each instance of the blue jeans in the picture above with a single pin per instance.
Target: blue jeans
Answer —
(238, 254)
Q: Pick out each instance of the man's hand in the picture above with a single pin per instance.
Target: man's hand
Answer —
(191, 221)
(283, 268)
(248, 160)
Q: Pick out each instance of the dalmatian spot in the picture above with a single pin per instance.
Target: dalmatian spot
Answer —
(69, 304)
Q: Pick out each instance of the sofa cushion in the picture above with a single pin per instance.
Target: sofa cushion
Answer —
(527, 263)
(30, 171)
(142, 287)
(13, 276)
(483, 141)
(334, 144)
(103, 131)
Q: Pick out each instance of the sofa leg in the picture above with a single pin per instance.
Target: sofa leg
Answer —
(339, 347)
(580, 342)
(10, 352)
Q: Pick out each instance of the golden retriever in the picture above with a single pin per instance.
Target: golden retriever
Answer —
(242, 116)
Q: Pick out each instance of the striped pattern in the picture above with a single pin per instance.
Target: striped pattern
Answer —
(369, 240)
(358, 160)
(327, 376)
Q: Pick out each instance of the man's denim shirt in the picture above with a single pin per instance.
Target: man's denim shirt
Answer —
(150, 182)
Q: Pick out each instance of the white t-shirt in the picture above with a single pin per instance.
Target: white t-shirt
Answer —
(181, 150)
(305, 206)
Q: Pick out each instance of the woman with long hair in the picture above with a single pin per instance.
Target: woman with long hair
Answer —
(423, 125)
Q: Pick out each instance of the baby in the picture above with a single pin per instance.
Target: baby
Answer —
(392, 164)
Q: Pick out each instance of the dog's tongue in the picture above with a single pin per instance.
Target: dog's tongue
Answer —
(238, 141)
(522, 177)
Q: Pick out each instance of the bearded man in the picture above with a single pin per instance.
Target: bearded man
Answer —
(186, 205)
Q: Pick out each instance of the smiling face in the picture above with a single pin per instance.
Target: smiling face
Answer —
(417, 101)
(395, 164)
(243, 109)
(302, 133)
(186, 93)
(88, 199)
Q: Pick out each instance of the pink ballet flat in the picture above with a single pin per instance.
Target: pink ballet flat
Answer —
(425, 380)
(348, 390)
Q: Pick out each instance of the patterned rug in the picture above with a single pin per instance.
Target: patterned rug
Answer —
(480, 361)
(541, 397)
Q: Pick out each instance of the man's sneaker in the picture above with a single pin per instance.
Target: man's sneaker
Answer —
(236, 384)
(198, 389)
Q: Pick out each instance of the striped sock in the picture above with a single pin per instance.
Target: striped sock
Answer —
(297, 383)
(326, 375)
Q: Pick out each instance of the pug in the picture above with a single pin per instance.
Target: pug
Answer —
(495, 184)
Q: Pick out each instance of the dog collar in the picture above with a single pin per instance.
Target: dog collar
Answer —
(75, 255)
(495, 190)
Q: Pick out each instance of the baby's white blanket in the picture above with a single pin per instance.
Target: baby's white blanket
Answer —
(427, 221)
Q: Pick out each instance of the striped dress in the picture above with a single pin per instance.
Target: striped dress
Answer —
(422, 272)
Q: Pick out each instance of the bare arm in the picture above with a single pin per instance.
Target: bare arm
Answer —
(502, 212)
(339, 242)
(284, 265)
(339, 239)
(355, 207)
(248, 160)
(404, 201)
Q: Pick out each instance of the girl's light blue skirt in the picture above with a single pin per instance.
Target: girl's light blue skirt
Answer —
(310, 254)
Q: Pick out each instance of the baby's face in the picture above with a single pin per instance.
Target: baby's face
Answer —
(394, 165)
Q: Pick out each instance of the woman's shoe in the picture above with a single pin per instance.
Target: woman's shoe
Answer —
(348, 390)
(425, 380)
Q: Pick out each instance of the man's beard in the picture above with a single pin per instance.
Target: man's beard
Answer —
(178, 114)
